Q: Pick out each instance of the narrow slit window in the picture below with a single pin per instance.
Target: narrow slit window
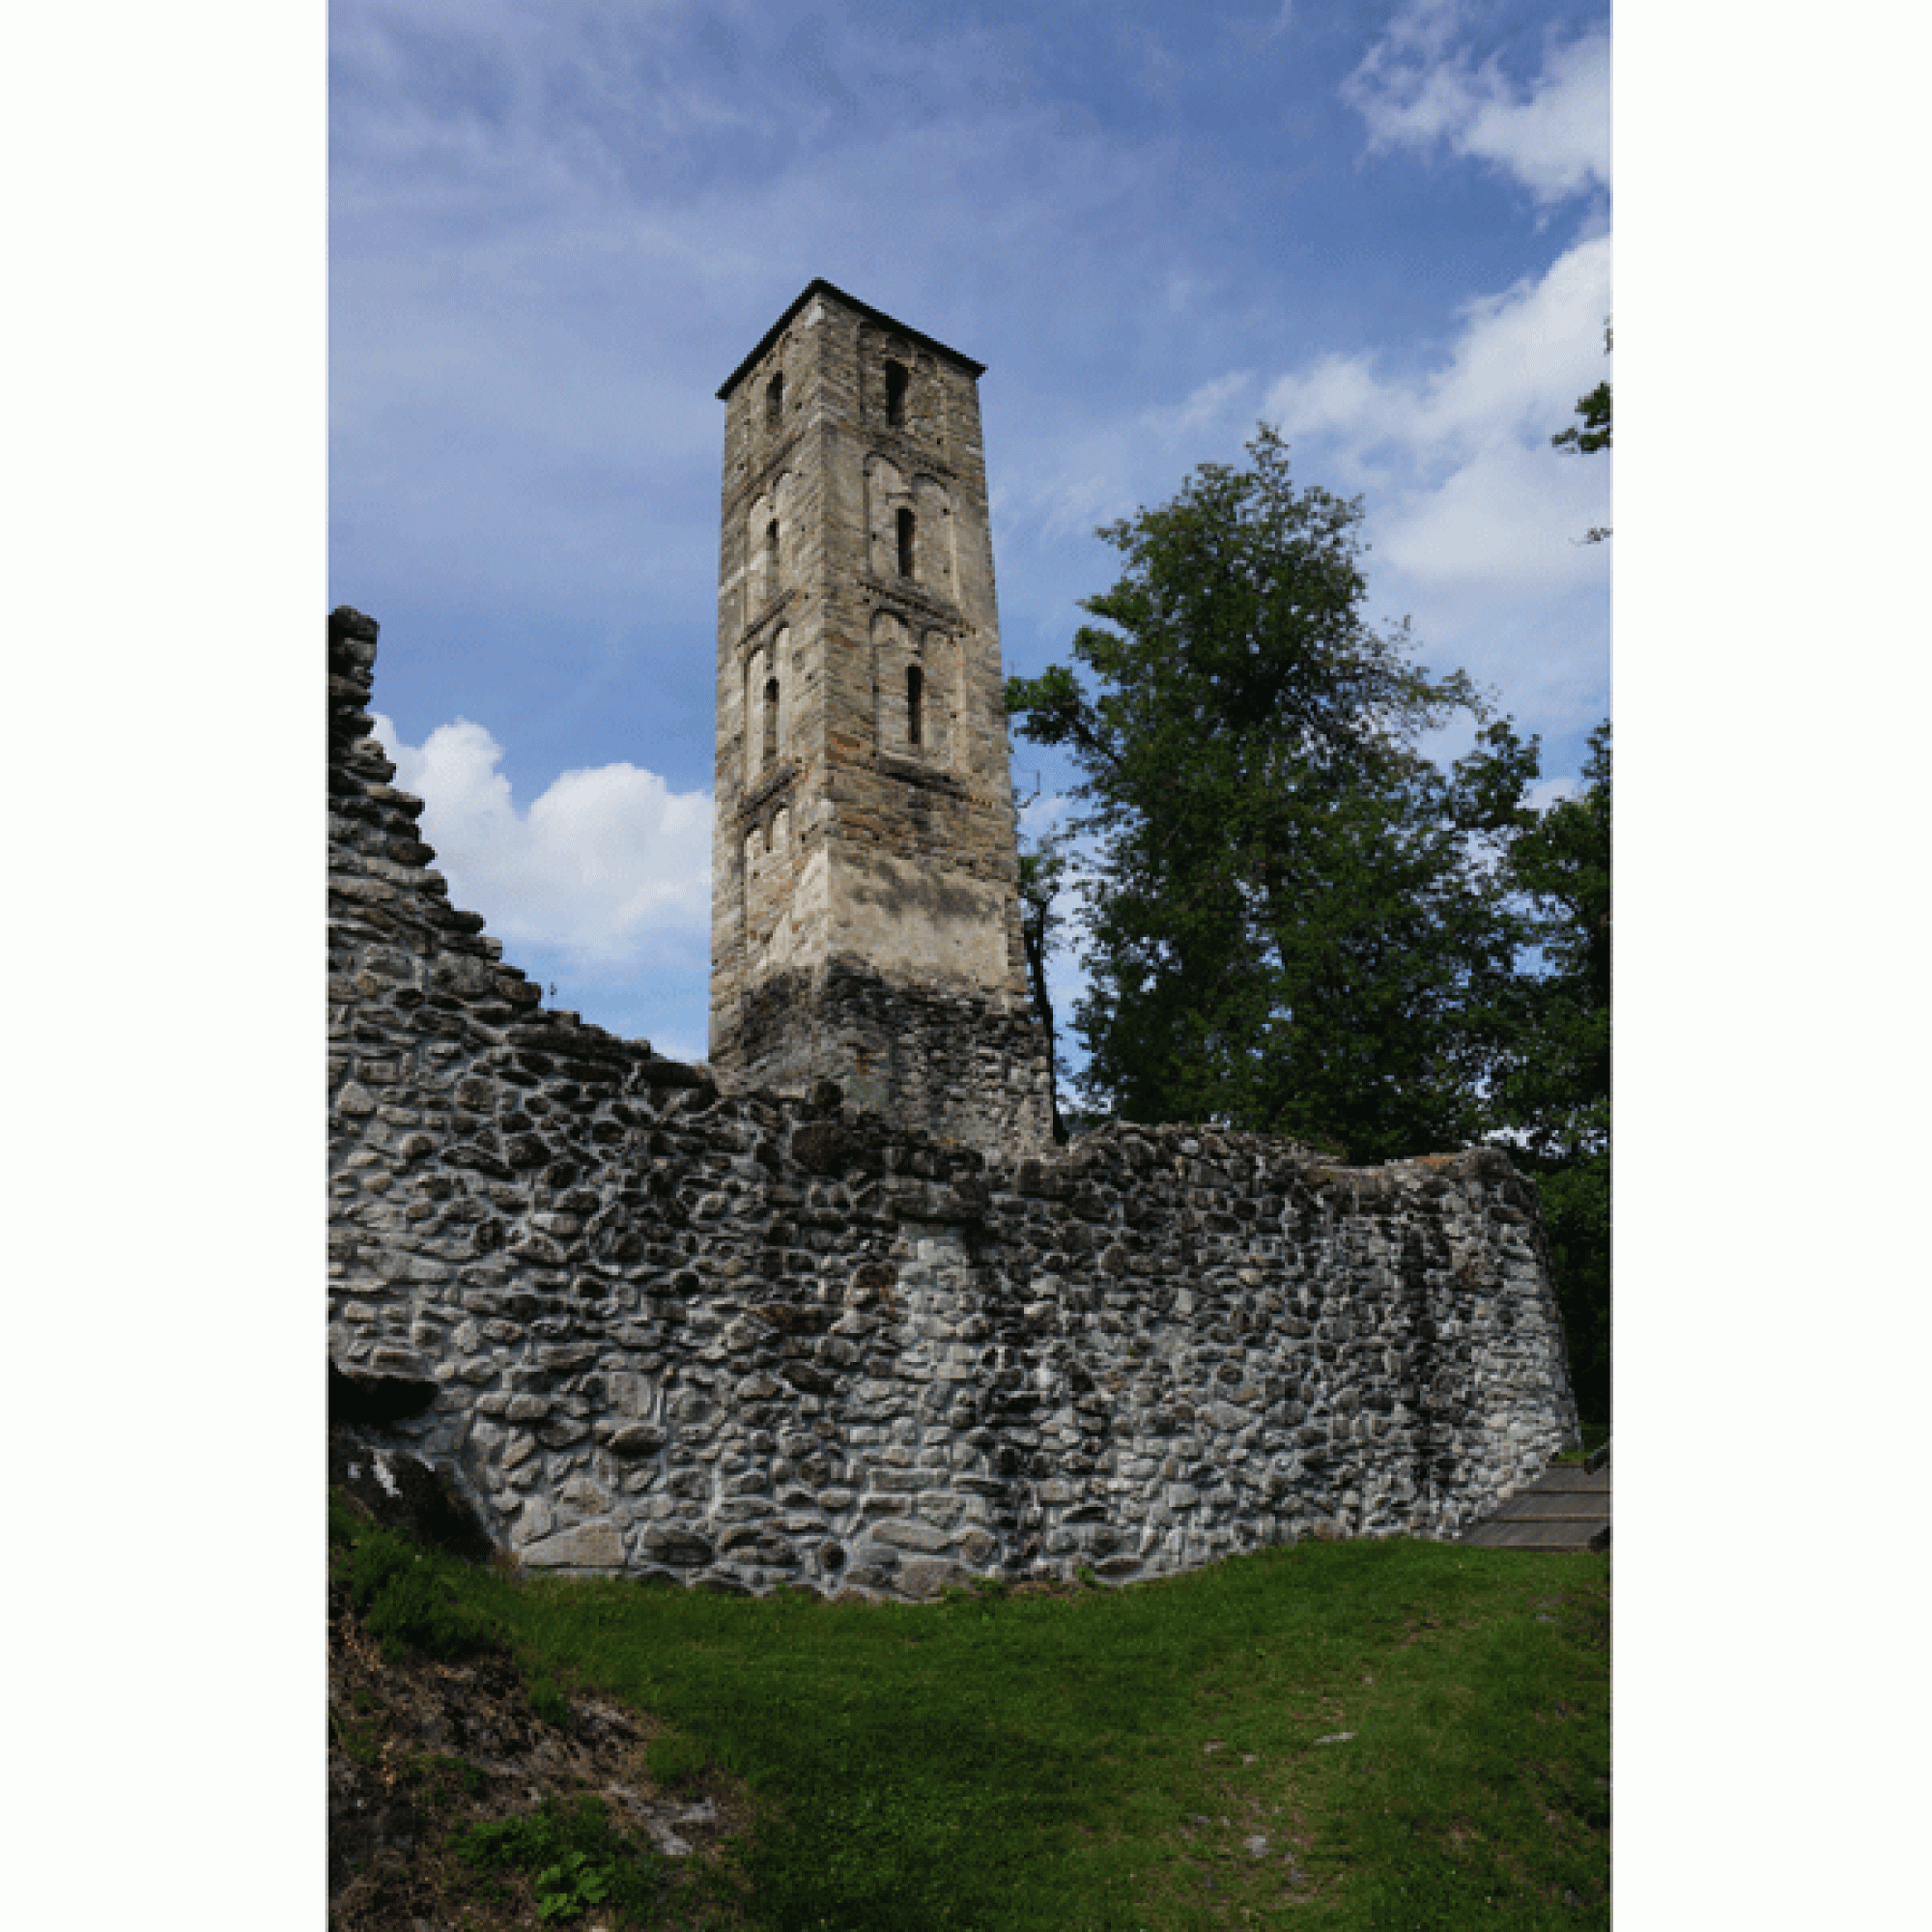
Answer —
(774, 399)
(915, 697)
(905, 543)
(896, 380)
(771, 719)
(772, 558)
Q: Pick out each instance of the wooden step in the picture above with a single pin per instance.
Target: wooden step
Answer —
(1573, 1479)
(1568, 1507)
(1533, 1535)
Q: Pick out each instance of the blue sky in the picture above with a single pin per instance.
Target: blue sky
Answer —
(554, 231)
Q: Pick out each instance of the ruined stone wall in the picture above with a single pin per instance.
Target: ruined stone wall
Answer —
(753, 1339)
(947, 1065)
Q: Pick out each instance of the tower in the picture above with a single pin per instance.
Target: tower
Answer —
(865, 922)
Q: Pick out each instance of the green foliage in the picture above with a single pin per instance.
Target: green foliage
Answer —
(1043, 864)
(572, 1857)
(566, 1889)
(547, 1697)
(1591, 431)
(342, 1520)
(1550, 1087)
(1577, 1218)
(1294, 924)
(412, 1597)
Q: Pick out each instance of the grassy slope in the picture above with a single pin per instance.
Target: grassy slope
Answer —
(1148, 1757)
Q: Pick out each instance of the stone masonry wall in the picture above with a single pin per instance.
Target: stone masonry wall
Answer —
(760, 1337)
(943, 1063)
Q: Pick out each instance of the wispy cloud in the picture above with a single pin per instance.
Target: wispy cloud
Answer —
(556, 229)
(1458, 455)
(1104, 468)
(1420, 87)
(1474, 520)
(607, 867)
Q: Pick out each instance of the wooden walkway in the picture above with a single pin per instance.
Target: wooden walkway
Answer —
(1568, 1507)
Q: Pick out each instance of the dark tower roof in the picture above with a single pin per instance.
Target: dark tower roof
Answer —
(819, 286)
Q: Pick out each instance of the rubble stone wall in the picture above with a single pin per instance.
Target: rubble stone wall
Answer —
(948, 1064)
(756, 1338)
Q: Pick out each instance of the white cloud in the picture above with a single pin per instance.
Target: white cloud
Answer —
(556, 229)
(1416, 90)
(1475, 523)
(1044, 812)
(1504, 517)
(1093, 471)
(1546, 792)
(1459, 457)
(606, 866)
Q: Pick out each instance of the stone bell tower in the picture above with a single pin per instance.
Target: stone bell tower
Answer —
(865, 920)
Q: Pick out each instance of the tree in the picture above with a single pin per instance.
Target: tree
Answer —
(1044, 862)
(1549, 1096)
(1555, 1094)
(1295, 918)
(1591, 432)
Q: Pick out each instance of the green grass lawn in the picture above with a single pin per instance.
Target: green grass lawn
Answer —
(1595, 1434)
(1334, 1735)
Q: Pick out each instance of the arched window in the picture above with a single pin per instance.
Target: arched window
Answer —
(897, 382)
(905, 543)
(775, 397)
(771, 719)
(915, 696)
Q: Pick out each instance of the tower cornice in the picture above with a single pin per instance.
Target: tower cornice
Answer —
(819, 286)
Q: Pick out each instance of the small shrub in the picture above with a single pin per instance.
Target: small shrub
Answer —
(566, 1889)
(573, 1858)
(548, 1700)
